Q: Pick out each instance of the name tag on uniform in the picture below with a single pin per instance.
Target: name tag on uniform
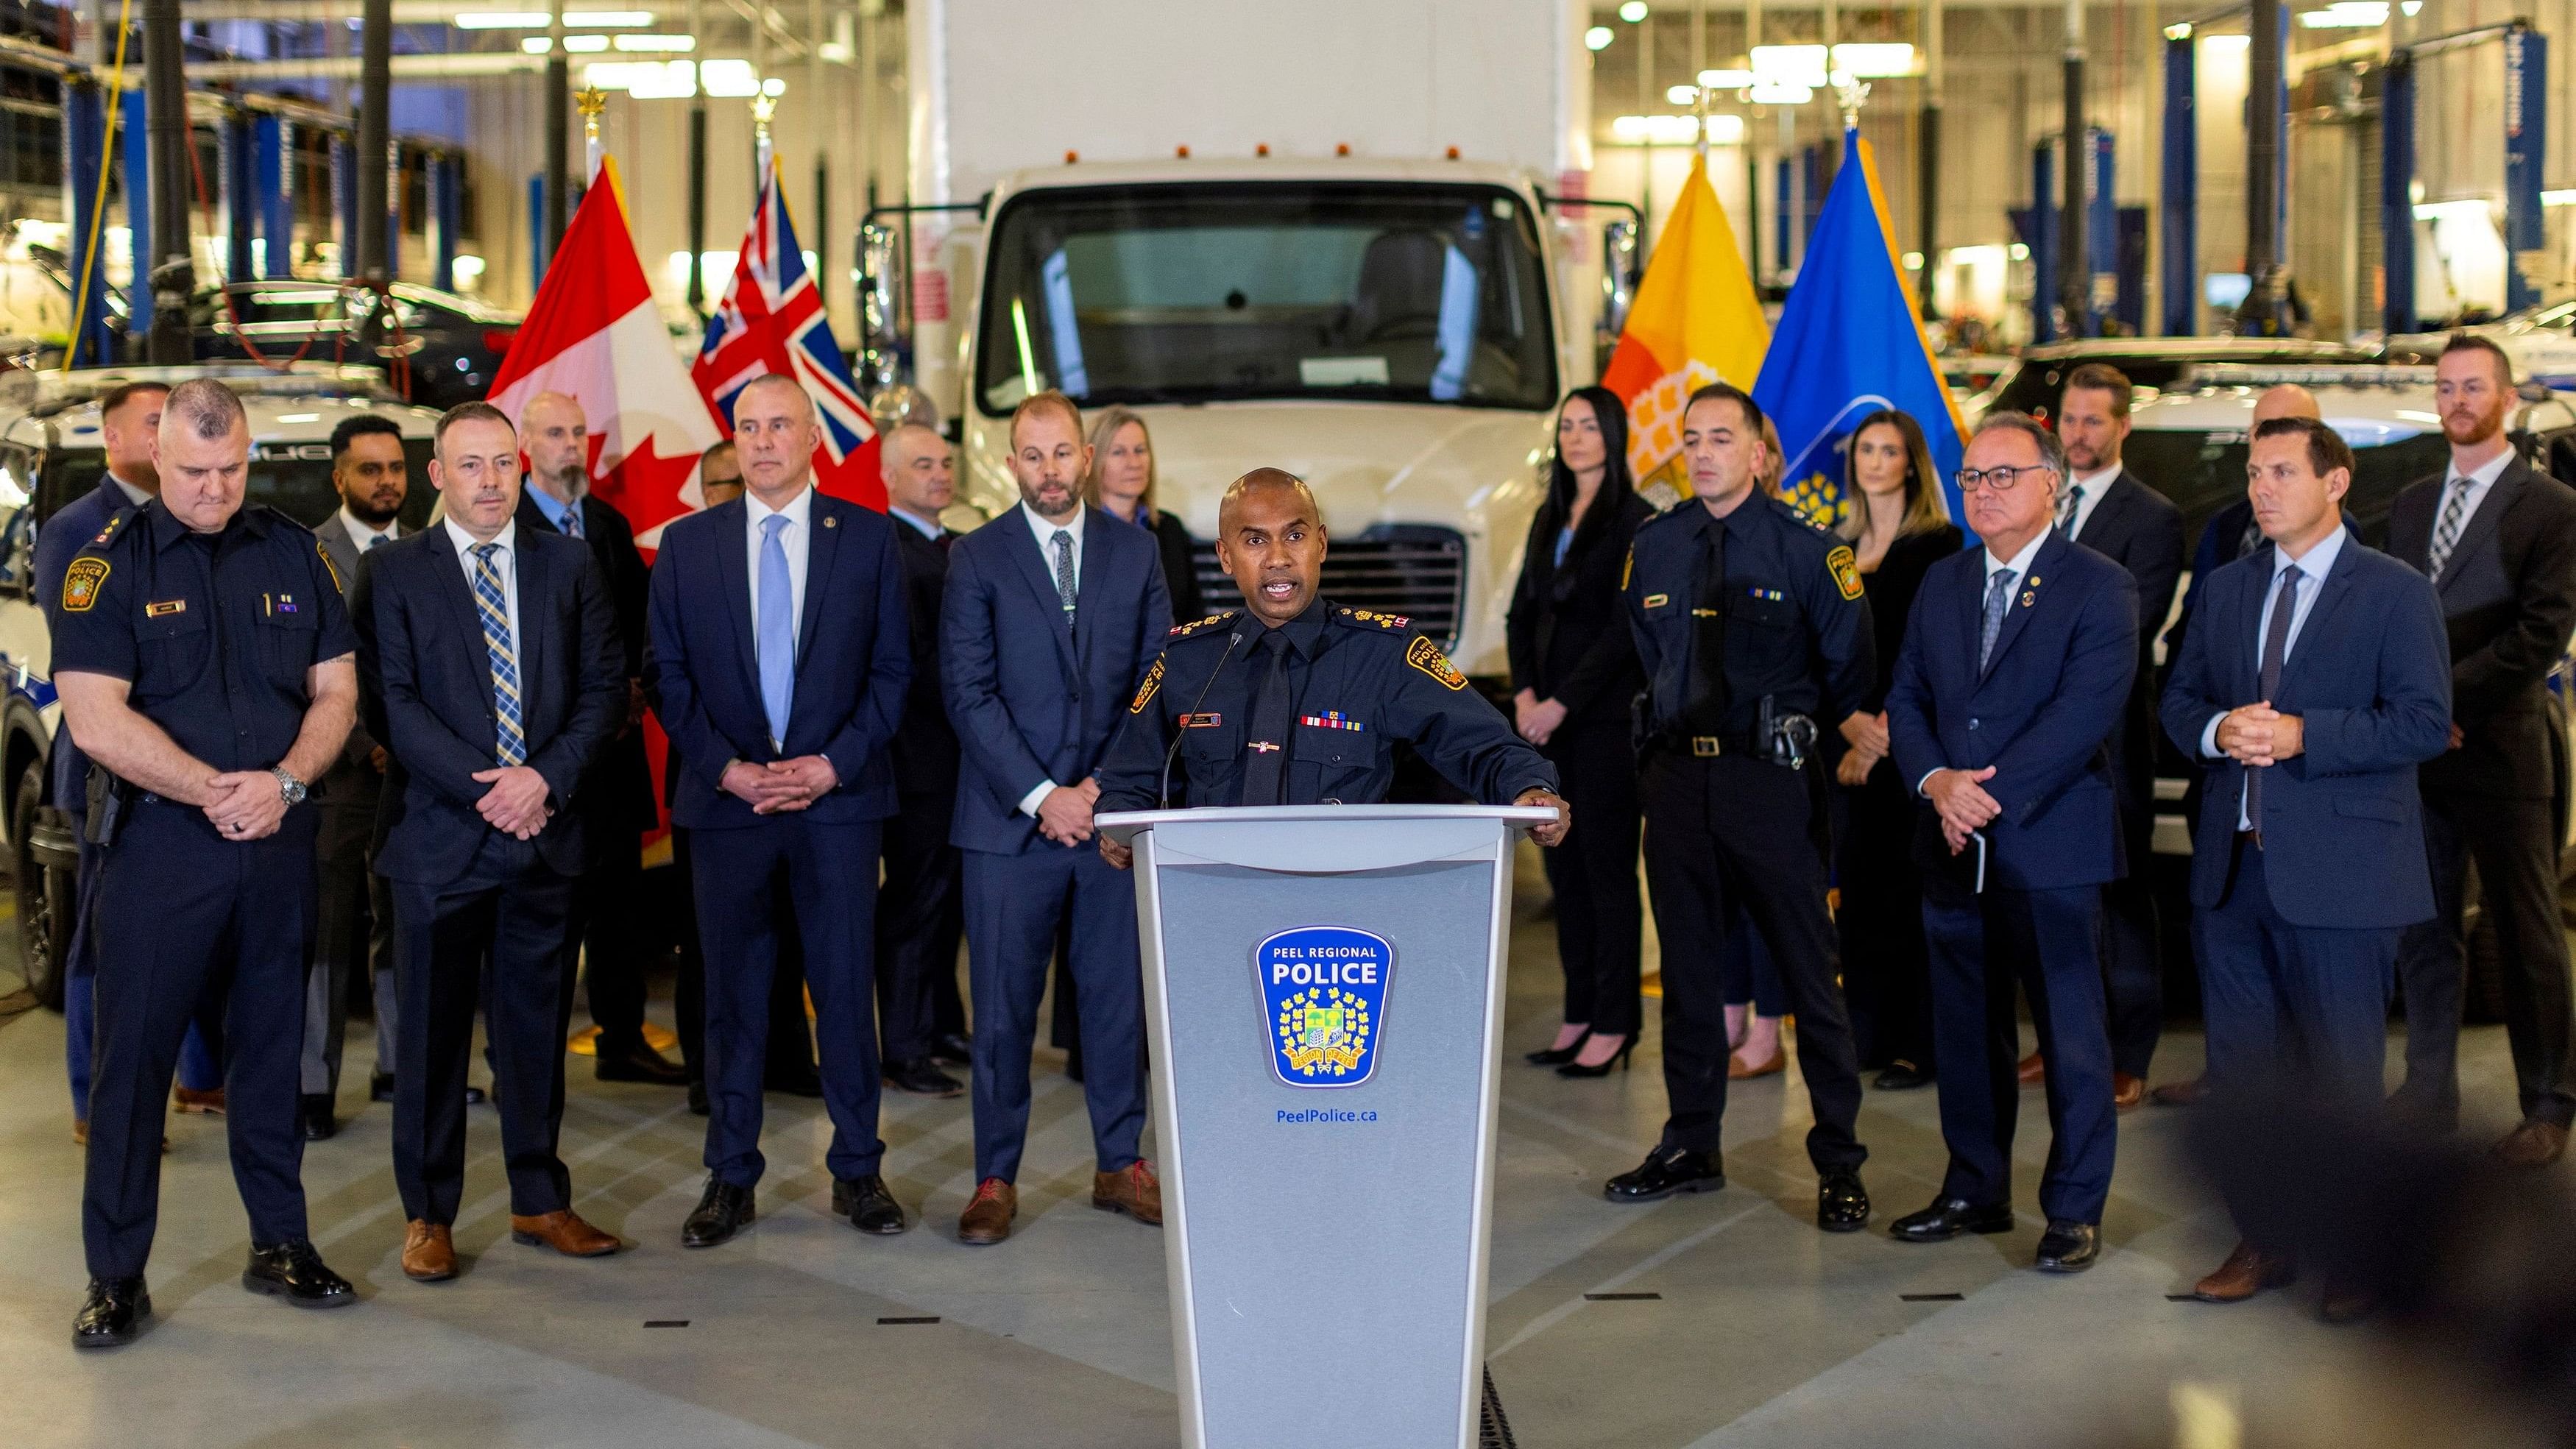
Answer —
(1657, 601)
(165, 608)
(1201, 721)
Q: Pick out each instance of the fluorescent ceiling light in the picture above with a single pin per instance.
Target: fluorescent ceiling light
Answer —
(1599, 37)
(1725, 80)
(585, 44)
(732, 77)
(646, 80)
(1682, 95)
(2346, 15)
(660, 42)
(1779, 93)
(608, 19)
(1633, 12)
(536, 45)
(2558, 198)
(1871, 61)
(503, 20)
(1802, 65)
(2178, 32)
(2227, 42)
(773, 87)
(1676, 130)
(2464, 210)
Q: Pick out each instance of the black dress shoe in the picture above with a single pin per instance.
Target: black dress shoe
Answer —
(2069, 1247)
(867, 1204)
(698, 1099)
(319, 1124)
(636, 1061)
(380, 1087)
(1556, 1056)
(1664, 1173)
(295, 1272)
(794, 1082)
(1948, 1217)
(953, 1049)
(1842, 1204)
(112, 1314)
(921, 1077)
(724, 1211)
(1902, 1076)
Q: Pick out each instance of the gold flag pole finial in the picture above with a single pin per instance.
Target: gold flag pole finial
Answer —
(591, 100)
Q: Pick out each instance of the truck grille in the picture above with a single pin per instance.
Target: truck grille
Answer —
(1413, 569)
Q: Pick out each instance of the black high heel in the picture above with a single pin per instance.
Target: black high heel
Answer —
(1553, 1057)
(1618, 1060)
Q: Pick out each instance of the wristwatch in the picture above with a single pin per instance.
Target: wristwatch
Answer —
(288, 786)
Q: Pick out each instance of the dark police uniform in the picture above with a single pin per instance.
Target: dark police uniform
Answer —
(1751, 629)
(1306, 714)
(215, 632)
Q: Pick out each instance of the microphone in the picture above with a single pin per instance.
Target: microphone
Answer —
(1163, 794)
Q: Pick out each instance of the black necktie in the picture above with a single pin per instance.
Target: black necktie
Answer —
(1266, 742)
(2276, 649)
(1704, 710)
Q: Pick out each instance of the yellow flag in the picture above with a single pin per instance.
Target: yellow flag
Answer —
(1696, 320)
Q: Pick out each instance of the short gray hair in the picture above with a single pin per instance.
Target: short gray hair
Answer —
(2052, 453)
(205, 407)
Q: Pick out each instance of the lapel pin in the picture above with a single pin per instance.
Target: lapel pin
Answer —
(2028, 598)
(831, 523)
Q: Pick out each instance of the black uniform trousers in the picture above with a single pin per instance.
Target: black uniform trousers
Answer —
(1887, 975)
(791, 1044)
(183, 914)
(2515, 845)
(2049, 942)
(748, 878)
(501, 930)
(1600, 923)
(354, 935)
(1722, 834)
(921, 917)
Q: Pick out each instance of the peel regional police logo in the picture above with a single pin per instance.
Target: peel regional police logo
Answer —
(1325, 990)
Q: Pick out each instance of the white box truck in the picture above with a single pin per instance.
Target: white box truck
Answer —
(1323, 235)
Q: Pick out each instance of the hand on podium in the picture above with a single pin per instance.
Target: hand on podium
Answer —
(1553, 832)
(1119, 856)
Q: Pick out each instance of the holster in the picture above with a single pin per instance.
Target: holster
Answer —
(108, 800)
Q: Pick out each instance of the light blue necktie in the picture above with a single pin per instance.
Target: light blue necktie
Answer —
(509, 740)
(1998, 599)
(777, 641)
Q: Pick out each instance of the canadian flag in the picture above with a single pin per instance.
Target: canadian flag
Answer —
(594, 335)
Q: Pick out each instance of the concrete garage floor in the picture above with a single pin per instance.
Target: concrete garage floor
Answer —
(1765, 1332)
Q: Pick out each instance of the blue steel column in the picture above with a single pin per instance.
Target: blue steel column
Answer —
(2397, 194)
(2179, 244)
(84, 140)
(447, 202)
(344, 197)
(2526, 154)
(138, 215)
(269, 182)
(241, 211)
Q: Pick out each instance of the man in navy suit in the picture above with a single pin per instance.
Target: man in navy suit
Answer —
(2317, 678)
(778, 666)
(2006, 702)
(493, 678)
(1052, 614)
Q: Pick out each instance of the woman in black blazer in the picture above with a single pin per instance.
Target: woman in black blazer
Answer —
(1574, 669)
(1121, 484)
(1899, 526)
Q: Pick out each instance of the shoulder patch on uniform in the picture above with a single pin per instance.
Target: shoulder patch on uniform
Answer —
(1372, 619)
(1145, 692)
(1183, 631)
(1424, 655)
(329, 567)
(1845, 569)
(81, 584)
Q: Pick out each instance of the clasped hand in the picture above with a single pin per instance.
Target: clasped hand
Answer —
(2257, 734)
(245, 804)
(781, 785)
(517, 800)
(1960, 799)
(1064, 816)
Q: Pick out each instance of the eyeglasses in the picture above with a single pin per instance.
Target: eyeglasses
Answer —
(1999, 479)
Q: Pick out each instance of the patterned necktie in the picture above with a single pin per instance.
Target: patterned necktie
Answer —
(2067, 502)
(376, 542)
(572, 519)
(1265, 774)
(510, 742)
(1998, 598)
(2251, 539)
(2446, 534)
(776, 641)
(2276, 650)
(1064, 571)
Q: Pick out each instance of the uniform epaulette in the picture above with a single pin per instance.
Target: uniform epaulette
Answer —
(115, 521)
(1676, 511)
(1184, 631)
(1372, 620)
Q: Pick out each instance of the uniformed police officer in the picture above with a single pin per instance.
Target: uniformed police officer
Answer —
(1751, 627)
(208, 671)
(1292, 701)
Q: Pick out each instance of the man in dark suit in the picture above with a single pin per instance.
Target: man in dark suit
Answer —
(2004, 713)
(922, 913)
(608, 906)
(778, 667)
(2499, 543)
(2108, 510)
(2316, 681)
(490, 661)
(354, 927)
(1052, 614)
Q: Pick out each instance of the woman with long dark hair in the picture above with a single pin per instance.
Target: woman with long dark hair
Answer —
(1574, 671)
(1898, 527)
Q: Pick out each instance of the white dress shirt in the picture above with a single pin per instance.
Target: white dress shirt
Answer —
(797, 538)
(505, 563)
(930, 527)
(133, 495)
(363, 537)
(2477, 484)
(2320, 561)
(2019, 565)
(2088, 492)
(1045, 533)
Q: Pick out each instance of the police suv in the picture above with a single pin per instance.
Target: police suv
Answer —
(51, 454)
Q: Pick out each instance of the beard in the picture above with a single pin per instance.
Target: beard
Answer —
(369, 512)
(2473, 429)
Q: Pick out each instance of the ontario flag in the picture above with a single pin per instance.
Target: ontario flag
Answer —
(1696, 320)
(771, 321)
(594, 334)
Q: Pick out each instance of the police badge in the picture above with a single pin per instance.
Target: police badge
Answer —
(1324, 988)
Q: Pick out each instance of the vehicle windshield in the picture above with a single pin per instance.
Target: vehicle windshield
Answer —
(2203, 472)
(1197, 293)
(293, 478)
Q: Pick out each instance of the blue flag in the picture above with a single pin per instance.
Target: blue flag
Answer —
(1848, 345)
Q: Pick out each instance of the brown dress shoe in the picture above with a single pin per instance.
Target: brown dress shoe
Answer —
(2533, 1144)
(564, 1231)
(1740, 1070)
(2248, 1271)
(189, 1099)
(429, 1255)
(987, 1219)
(2180, 1094)
(2127, 1091)
(1132, 1190)
(2033, 1070)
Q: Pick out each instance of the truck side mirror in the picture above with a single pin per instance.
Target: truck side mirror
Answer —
(1620, 269)
(881, 339)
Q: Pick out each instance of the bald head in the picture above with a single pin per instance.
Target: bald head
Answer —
(920, 476)
(775, 434)
(2289, 400)
(1261, 481)
(1270, 538)
(556, 434)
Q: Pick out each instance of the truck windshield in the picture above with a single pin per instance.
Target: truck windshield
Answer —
(1199, 293)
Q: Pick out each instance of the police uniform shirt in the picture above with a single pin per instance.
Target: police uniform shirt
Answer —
(1796, 627)
(1359, 681)
(215, 632)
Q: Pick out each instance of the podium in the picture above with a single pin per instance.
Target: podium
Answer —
(1324, 1003)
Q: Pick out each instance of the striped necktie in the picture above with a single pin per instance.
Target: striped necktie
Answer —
(510, 742)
